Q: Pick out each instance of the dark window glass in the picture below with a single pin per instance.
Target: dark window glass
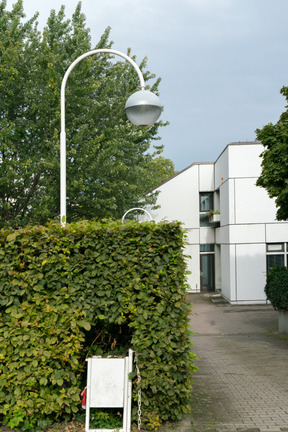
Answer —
(206, 247)
(204, 220)
(274, 261)
(206, 201)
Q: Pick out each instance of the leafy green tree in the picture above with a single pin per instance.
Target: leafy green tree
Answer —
(15, 63)
(108, 158)
(274, 175)
(159, 169)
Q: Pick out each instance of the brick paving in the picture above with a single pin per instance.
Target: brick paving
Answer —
(242, 380)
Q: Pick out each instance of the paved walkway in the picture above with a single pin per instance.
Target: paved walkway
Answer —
(242, 380)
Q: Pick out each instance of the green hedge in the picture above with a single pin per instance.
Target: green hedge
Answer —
(92, 288)
(276, 288)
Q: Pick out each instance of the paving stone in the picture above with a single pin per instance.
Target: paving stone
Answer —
(241, 384)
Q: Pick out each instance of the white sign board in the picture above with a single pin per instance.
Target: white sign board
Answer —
(107, 383)
(108, 386)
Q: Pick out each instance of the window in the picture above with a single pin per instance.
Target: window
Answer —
(207, 267)
(207, 247)
(206, 204)
(204, 220)
(276, 255)
(275, 247)
(206, 201)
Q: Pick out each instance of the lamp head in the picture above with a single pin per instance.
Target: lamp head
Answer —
(143, 108)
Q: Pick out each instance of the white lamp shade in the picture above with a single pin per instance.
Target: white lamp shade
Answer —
(143, 108)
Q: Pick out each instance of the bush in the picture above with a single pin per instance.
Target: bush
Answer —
(92, 288)
(276, 288)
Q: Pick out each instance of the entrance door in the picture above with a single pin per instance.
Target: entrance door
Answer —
(207, 279)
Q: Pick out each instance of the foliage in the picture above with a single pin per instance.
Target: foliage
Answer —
(108, 159)
(109, 418)
(159, 170)
(212, 212)
(274, 176)
(276, 288)
(92, 288)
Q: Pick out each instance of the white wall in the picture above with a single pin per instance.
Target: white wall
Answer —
(228, 288)
(218, 267)
(206, 177)
(179, 199)
(244, 159)
(207, 236)
(243, 273)
(236, 172)
(247, 233)
(252, 204)
(250, 273)
(193, 266)
(227, 205)
(277, 232)
(247, 220)
(245, 209)
(221, 168)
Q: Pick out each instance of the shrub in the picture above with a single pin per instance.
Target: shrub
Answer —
(92, 288)
(276, 288)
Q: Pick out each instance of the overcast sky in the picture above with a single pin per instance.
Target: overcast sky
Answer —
(222, 63)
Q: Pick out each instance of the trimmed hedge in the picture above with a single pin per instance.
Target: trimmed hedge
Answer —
(276, 288)
(92, 288)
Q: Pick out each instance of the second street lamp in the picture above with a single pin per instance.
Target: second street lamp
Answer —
(143, 108)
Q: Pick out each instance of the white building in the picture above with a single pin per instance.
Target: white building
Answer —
(231, 255)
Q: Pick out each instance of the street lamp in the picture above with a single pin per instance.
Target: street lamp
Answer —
(143, 108)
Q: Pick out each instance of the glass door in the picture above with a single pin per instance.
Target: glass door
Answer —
(207, 271)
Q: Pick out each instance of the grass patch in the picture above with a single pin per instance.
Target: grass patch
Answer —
(276, 336)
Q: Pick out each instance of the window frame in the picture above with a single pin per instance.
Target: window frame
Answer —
(202, 194)
(282, 251)
(275, 251)
(203, 218)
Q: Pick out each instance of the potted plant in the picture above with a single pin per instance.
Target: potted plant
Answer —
(214, 216)
(276, 290)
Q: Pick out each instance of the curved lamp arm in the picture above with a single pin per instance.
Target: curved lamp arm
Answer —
(63, 133)
(87, 54)
(136, 208)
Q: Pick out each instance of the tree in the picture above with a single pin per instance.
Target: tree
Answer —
(274, 175)
(107, 157)
(158, 170)
(16, 62)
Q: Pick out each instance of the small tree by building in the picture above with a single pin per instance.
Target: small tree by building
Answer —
(274, 176)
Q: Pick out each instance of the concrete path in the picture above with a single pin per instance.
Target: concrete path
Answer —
(242, 380)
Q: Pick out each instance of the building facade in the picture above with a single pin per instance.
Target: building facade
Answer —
(233, 236)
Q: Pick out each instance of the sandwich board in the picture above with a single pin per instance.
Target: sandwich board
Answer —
(109, 386)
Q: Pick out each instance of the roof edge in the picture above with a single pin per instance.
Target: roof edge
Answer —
(205, 163)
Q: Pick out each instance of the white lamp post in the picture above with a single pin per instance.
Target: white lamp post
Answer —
(143, 108)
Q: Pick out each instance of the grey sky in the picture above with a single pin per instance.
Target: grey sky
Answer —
(222, 63)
